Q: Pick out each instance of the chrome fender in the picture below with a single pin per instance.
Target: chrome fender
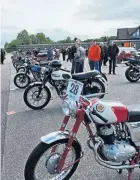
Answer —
(103, 79)
(54, 136)
(40, 83)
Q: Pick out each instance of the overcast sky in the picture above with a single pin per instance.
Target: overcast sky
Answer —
(61, 18)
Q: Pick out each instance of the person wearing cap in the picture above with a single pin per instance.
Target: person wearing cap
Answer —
(94, 56)
(79, 57)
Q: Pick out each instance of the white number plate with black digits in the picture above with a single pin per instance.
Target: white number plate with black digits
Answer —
(74, 90)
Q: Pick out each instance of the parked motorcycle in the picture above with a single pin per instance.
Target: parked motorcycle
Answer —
(40, 93)
(114, 138)
(132, 73)
(29, 73)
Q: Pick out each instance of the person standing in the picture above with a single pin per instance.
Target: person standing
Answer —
(94, 56)
(105, 55)
(79, 58)
(50, 53)
(73, 51)
(69, 53)
(63, 53)
(102, 55)
(2, 56)
(113, 50)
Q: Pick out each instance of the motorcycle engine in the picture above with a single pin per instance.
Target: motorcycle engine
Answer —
(113, 149)
(61, 86)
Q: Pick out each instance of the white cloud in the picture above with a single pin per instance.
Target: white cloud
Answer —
(61, 18)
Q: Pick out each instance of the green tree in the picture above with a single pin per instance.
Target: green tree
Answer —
(49, 41)
(23, 37)
(33, 39)
(41, 39)
(68, 40)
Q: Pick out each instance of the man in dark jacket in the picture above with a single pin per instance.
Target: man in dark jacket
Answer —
(64, 53)
(73, 51)
(2, 56)
(69, 53)
(105, 55)
(113, 50)
(101, 56)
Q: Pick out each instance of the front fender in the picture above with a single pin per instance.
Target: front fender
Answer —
(54, 136)
(40, 83)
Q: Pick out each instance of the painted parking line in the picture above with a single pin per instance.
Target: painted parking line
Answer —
(10, 113)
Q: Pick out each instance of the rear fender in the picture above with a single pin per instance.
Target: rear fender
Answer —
(102, 78)
(40, 83)
(54, 136)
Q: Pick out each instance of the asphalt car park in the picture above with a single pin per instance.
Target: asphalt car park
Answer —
(23, 127)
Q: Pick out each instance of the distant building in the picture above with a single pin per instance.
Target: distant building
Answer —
(132, 34)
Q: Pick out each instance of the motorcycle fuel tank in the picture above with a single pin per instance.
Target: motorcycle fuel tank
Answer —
(60, 75)
(114, 112)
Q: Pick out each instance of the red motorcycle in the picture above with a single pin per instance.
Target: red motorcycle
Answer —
(113, 136)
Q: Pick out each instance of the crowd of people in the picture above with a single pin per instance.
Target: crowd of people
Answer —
(97, 55)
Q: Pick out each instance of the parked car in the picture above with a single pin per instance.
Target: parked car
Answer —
(125, 53)
(42, 55)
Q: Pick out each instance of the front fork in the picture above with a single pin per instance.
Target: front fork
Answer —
(75, 128)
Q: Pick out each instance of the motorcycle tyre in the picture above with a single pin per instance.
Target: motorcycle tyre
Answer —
(38, 152)
(102, 86)
(33, 107)
(29, 80)
(128, 77)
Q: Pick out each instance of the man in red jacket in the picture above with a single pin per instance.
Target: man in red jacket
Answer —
(94, 56)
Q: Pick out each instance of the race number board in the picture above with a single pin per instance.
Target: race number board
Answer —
(74, 90)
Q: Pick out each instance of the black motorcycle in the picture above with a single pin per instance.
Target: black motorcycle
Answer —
(38, 94)
(132, 73)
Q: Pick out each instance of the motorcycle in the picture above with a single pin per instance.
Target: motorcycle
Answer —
(114, 138)
(132, 73)
(94, 82)
(29, 73)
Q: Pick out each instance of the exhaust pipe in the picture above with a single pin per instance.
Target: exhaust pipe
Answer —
(104, 163)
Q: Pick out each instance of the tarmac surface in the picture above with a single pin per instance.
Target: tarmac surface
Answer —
(21, 131)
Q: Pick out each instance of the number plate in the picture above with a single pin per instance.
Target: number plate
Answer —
(74, 90)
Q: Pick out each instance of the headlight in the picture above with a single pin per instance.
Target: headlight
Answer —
(69, 108)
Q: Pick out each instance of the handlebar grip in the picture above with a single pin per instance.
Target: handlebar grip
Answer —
(99, 116)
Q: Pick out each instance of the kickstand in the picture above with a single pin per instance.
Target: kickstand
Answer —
(130, 174)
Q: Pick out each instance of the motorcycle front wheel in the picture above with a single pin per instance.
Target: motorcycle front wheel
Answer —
(35, 100)
(132, 75)
(37, 170)
(22, 80)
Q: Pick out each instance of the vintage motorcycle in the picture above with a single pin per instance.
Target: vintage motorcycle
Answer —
(38, 94)
(132, 73)
(28, 73)
(114, 138)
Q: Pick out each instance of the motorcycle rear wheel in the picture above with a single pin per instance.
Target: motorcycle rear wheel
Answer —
(128, 75)
(41, 148)
(95, 89)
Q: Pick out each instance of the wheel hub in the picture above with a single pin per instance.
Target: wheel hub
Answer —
(36, 97)
(52, 163)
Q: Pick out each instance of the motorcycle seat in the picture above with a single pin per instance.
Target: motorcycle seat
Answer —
(134, 113)
(85, 75)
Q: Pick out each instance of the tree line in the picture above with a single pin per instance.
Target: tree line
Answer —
(23, 38)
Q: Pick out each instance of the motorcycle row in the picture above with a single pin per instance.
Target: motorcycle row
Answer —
(113, 129)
